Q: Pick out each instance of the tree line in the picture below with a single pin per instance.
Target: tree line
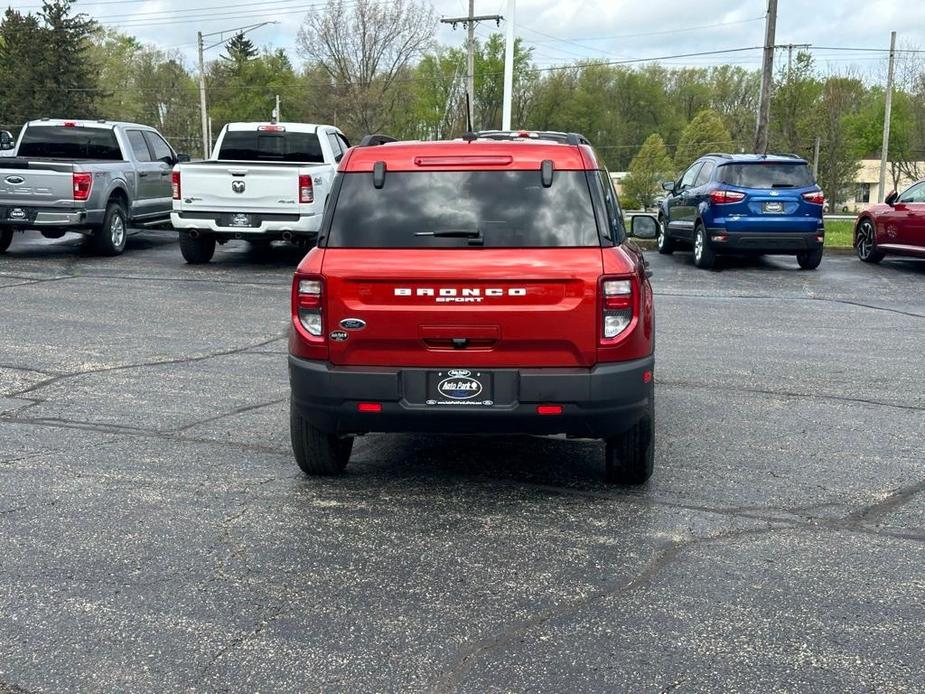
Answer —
(369, 67)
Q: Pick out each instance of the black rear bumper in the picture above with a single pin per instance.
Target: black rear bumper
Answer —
(596, 403)
(763, 241)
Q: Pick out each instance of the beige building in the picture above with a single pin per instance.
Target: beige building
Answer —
(867, 186)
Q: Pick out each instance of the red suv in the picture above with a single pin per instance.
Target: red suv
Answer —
(473, 286)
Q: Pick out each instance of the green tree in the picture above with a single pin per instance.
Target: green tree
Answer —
(21, 98)
(489, 82)
(647, 170)
(706, 133)
(839, 151)
(240, 49)
(65, 70)
(795, 98)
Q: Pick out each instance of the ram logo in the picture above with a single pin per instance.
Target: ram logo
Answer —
(237, 186)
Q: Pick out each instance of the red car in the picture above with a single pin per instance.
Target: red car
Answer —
(894, 227)
(473, 286)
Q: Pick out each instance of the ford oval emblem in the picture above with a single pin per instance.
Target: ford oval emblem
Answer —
(353, 324)
(459, 387)
(14, 180)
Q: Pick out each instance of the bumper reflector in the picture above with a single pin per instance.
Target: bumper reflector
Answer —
(369, 407)
(549, 409)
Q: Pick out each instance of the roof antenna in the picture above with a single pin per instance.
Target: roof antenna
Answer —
(469, 136)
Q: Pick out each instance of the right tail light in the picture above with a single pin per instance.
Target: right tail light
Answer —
(816, 197)
(175, 184)
(618, 305)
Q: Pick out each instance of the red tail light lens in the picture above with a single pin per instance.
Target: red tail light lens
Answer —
(549, 409)
(724, 197)
(817, 197)
(369, 407)
(83, 184)
(306, 189)
(306, 309)
(617, 303)
(271, 128)
(175, 181)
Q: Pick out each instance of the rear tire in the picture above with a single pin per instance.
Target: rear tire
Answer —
(664, 242)
(809, 260)
(630, 458)
(317, 452)
(6, 238)
(197, 251)
(865, 243)
(704, 257)
(109, 238)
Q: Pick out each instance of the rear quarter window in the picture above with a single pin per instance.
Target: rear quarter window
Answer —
(464, 209)
(767, 175)
(60, 142)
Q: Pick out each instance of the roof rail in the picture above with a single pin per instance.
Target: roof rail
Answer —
(374, 140)
(791, 155)
(567, 138)
(717, 154)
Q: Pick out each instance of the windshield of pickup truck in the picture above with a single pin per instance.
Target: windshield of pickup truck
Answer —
(251, 145)
(464, 209)
(63, 142)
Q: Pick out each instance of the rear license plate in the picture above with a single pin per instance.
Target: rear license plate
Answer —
(774, 207)
(241, 220)
(19, 214)
(459, 388)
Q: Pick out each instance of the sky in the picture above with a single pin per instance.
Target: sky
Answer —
(562, 31)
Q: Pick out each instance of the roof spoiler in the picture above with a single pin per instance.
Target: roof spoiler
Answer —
(375, 140)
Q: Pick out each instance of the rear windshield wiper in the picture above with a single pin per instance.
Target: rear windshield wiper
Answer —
(783, 185)
(474, 236)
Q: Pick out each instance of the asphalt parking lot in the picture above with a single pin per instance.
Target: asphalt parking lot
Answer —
(156, 535)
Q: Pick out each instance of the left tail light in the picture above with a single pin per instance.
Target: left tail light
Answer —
(816, 197)
(306, 189)
(175, 184)
(617, 302)
(83, 184)
(724, 197)
(307, 291)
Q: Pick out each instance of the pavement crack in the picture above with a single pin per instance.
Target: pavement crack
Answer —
(139, 365)
(877, 510)
(232, 413)
(761, 297)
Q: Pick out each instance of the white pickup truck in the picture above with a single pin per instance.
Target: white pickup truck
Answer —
(263, 182)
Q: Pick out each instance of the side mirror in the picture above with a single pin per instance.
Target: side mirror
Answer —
(643, 226)
(668, 186)
(6, 140)
(182, 158)
(891, 198)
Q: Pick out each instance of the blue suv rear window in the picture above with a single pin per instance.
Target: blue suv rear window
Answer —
(767, 175)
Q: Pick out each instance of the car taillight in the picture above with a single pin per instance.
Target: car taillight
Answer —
(617, 306)
(817, 197)
(306, 189)
(83, 184)
(723, 197)
(175, 183)
(307, 305)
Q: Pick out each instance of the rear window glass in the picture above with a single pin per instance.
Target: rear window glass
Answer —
(774, 175)
(464, 209)
(251, 145)
(60, 142)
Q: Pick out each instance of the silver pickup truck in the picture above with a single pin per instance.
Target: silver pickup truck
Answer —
(90, 177)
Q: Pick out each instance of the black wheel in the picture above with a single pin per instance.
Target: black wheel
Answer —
(809, 260)
(317, 452)
(665, 243)
(6, 238)
(704, 257)
(197, 251)
(630, 457)
(109, 238)
(865, 242)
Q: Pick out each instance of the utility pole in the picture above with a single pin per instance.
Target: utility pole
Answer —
(204, 113)
(508, 67)
(470, 21)
(767, 74)
(887, 109)
(202, 99)
(276, 113)
(816, 158)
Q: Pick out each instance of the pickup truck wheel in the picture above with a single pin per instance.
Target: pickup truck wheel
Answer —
(664, 242)
(630, 458)
(6, 238)
(197, 251)
(810, 260)
(109, 238)
(317, 452)
(704, 257)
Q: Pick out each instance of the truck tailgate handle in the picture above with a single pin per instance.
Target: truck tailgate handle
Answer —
(459, 336)
(238, 172)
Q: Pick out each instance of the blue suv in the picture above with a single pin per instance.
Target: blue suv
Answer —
(747, 204)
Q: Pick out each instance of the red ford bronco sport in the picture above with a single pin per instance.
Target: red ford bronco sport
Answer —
(483, 285)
